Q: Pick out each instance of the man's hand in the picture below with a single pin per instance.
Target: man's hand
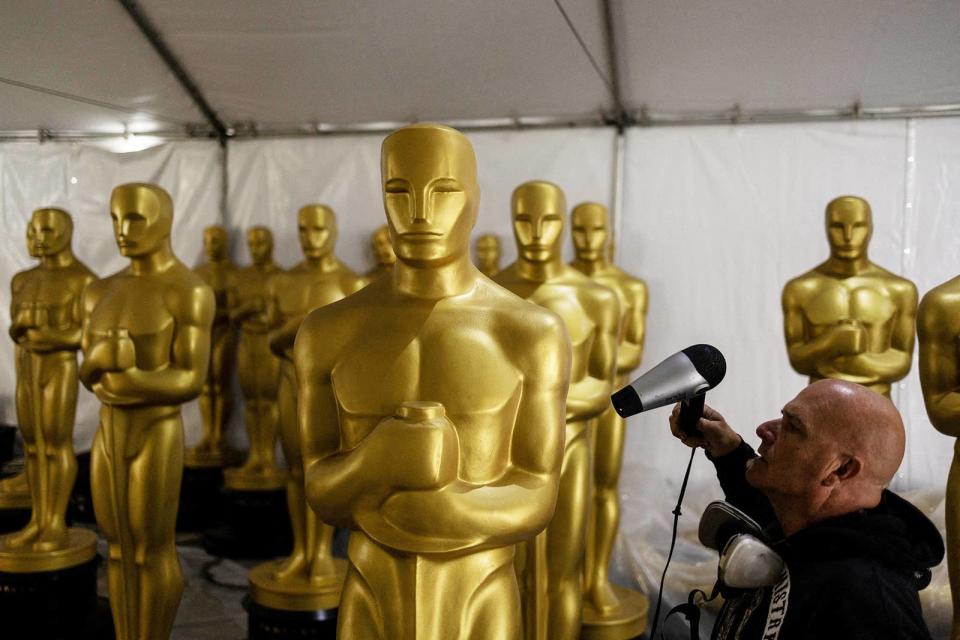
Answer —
(717, 438)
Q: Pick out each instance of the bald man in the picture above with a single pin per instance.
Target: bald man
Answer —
(856, 554)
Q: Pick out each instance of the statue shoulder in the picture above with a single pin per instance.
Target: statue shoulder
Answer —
(939, 311)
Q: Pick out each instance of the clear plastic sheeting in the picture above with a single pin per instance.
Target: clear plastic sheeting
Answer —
(79, 179)
(270, 179)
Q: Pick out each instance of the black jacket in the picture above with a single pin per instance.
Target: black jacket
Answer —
(852, 577)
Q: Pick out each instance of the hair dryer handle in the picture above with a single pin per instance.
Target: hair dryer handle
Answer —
(690, 412)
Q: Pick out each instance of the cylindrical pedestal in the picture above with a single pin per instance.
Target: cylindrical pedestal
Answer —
(265, 623)
(199, 497)
(626, 622)
(250, 524)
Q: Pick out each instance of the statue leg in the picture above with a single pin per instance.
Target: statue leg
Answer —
(494, 610)
(155, 475)
(26, 417)
(952, 517)
(296, 500)
(59, 411)
(566, 542)
(320, 542)
(359, 615)
(607, 463)
(205, 402)
(101, 481)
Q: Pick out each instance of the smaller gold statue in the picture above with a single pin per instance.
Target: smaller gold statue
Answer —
(310, 578)
(259, 368)
(848, 318)
(553, 564)
(609, 611)
(216, 399)
(45, 325)
(146, 347)
(383, 252)
(938, 327)
(488, 254)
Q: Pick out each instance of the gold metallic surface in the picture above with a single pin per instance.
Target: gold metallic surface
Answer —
(77, 547)
(431, 408)
(317, 281)
(216, 400)
(15, 492)
(146, 346)
(259, 369)
(553, 570)
(46, 321)
(938, 328)
(603, 608)
(848, 318)
(383, 252)
(488, 254)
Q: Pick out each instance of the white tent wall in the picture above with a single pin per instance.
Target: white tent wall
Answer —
(79, 178)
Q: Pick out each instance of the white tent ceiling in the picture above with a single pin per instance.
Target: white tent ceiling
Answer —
(288, 63)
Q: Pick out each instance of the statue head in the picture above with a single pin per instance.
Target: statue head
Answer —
(849, 227)
(488, 253)
(215, 242)
(538, 210)
(260, 244)
(590, 227)
(430, 193)
(317, 230)
(382, 249)
(49, 232)
(142, 218)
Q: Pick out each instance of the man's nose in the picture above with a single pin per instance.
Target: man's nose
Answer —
(768, 431)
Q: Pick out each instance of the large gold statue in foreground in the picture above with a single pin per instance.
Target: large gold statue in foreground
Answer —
(46, 321)
(310, 579)
(848, 318)
(488, 254)
(146, 345)
(383, 252)
(259, 368)
(607, 606)
(938, 326)
(431, 407)
(553, 570)
(216, 400)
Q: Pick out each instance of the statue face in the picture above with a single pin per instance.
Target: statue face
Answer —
(317, 230)
(488, 250)
(260, 243)
(142, 217)
(48, 232)
(215, 242)
(382, 248)
(430, 193)
(849, 227)
(590, 226)
(538, 211)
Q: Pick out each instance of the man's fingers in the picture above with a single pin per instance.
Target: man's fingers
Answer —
(711, 414)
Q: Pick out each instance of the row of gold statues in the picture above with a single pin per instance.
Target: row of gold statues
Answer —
(462, 434)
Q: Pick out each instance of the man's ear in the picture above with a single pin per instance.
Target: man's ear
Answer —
(848, 467)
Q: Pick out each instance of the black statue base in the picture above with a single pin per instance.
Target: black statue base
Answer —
(53, 605)
(199, 495)
(264, 623)
(250, 525)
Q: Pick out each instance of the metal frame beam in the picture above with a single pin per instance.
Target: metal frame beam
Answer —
(622, 116)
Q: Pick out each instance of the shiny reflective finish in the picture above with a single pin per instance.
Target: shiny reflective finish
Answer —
(45, 324)
(849, 318)
(553, 565)
(488, 254)
(605, 607)
(146, 347)
(310, 578)
(258, 366)
(216, 399)
(383, 252)
(938, 327)
(431, 408)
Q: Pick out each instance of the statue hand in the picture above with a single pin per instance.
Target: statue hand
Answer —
(417, 454)
(849, 338)
(112, 351)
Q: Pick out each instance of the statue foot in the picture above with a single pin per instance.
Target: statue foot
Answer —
(602, 597)
(16, 485)
(52, 539)
(291, 568)
(25, 536)
(322, 571)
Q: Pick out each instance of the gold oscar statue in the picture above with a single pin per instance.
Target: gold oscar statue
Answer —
(488, 254)
(610, 612)
(553, 565)
(216, 401)
(383, 252)
(46, 324)
(310, 579)
(848, 318)
(431, 407)
(146, 347)
(258, 367)
(938, 327)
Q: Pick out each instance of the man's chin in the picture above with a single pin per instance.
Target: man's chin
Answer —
(754, 471)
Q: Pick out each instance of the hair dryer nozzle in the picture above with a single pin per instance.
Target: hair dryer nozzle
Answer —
(626, 402)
